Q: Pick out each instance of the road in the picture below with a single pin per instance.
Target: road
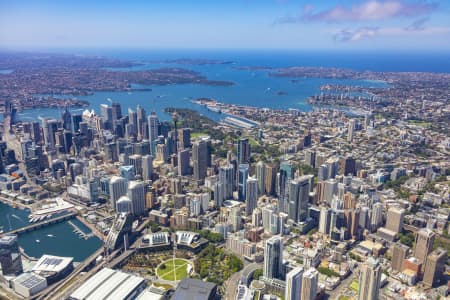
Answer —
(230, 286)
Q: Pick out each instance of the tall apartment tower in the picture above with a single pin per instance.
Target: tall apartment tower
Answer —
(424, 244)
(394, 220)
(369, 280)
(310, 283)
(294, 284)
(434, 267)
(273, 257)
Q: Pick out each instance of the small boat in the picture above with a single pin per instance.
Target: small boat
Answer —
(38, 241)
(50, 235)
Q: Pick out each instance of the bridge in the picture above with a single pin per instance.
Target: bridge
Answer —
(48, 222)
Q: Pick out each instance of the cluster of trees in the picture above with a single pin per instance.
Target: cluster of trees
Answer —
(213, 237)
(215, 265)
(327, 272)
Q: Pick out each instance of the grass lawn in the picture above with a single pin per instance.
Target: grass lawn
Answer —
(354, 286)
(175, 269)
(198, 134)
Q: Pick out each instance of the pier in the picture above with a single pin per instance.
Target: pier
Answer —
(48, 222)
(80, 232)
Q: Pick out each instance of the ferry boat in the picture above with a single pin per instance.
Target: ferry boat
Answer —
(214, 109)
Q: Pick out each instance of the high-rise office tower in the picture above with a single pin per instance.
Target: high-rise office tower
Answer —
(243, 151)
(106, 113)
(153, 123)
(394, 220)
(226, 177)
(147, 167)
(251, 197)
(10, 257)
(286, 174)
(351, 130)
(128, 172)
(369, 280)
(116, 111)
(184, 138)
(324, 220)
(136, 193)
(117, 189)
(132, 120)
(310, 158)
(294, 284)
(183, 162)
(200, 154)
(271, 174)
(298, 196)
(424, 244)
(136, 161)
(235, 218)
(310, 282)
(435, 267)
(399, 253)
(377, 216)
(67, 120)
(242, 181)
(141, 119)
(273, 257)
(260, 173)
(77, 119)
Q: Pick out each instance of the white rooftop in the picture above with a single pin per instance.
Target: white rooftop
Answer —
(50, 263)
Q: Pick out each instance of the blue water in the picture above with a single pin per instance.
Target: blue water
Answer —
(253, 88)
(62, 242)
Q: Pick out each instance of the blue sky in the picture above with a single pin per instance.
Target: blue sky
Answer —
(234, 24)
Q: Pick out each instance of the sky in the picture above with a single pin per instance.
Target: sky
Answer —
(413, 25)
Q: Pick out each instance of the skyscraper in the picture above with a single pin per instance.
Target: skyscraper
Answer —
(200, 159)
(310, 282)
(399, 253)
(243, 151)
(351, 130)
(141, 119)
(298, 196)
(183, 162)
(271, 173)
(369, 280)
(424, 244)
(242, 181)
(67, 120)
(294, 284)
(147, 167)
(273, 257)
(251, 197)
(261, 176)
(10, 257)
(116, 111)
(226, 177)
(153, 123)
(106, 113)
(434, 267)
(394, 220)
(117, 189)
(136, 193)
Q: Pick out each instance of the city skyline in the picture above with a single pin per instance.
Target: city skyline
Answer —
(332, 25)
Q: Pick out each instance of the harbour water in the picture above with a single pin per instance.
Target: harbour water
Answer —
(251, 87)
(57, 239)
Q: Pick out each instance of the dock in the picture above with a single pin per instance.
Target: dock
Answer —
(80, 232)
(45, 223)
